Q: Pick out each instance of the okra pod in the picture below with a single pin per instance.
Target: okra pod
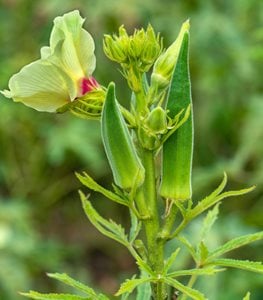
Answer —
(124, 162)
(178, 149)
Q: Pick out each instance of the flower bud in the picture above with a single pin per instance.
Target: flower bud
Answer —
(157, 120)
(152, 128)
(164, 65)
(115, 51)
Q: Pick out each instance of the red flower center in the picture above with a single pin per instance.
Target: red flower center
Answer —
(88, 84)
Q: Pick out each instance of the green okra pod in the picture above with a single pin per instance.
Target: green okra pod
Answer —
(178, 149)
(124, 162)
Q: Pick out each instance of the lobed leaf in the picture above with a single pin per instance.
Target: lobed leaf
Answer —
(194, 294)
(124, 296)
(170, 260)
(86, 180)
(236, 243)
(72, 282)
(209, 221)
(205, 203)
(130, 284)
(209, 270)
(108, 228)
(235, 193)
(144, 267)
(135, 227)
(202, 252)
(144, 291)
(214, 198)
(189, 246)
(52, 296)
(247, 265)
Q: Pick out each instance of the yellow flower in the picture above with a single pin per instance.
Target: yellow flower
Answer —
(63, 73)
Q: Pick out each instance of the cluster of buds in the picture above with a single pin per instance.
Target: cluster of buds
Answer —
(136, 53)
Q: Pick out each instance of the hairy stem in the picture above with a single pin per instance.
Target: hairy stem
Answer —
(147, 196)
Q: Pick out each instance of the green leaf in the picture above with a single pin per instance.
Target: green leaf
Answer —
(170, 261)
(234, 193)
(72, 282)
(247, 297)
(194, 294)
(135, 227)
(189, 246)
(203, 252)
(144, 267)
(125, 164)
(52, 296)
(209, 270)
(214, 198)
(178, 149)
(209, 221)
(236, 243)
(247, 265)
(130, 284)
(124, 296)
(144, 291)
(205, 203)
(108, 228)
(93, 185)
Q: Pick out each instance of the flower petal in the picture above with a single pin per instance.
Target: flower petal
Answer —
(77, 51)
(45, 52)
(39, 85)
(86, 53)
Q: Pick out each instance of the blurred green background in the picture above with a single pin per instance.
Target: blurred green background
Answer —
(42, 226)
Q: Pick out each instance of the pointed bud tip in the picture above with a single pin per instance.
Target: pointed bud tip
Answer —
(186, 25)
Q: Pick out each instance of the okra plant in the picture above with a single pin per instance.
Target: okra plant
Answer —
(149, 148)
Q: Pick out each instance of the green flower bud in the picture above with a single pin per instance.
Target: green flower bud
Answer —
(115, 51)
(148, 140)
(164, 65)
(152, 127)
(157, 121)
(59, 77)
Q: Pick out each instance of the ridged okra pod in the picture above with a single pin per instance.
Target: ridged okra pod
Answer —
(178, 149)
(120, 150)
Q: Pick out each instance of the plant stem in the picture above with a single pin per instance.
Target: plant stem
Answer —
(147, 197)
(168, 223)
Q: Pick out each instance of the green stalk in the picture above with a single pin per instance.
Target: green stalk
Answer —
(147, 200)
(168, 223)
